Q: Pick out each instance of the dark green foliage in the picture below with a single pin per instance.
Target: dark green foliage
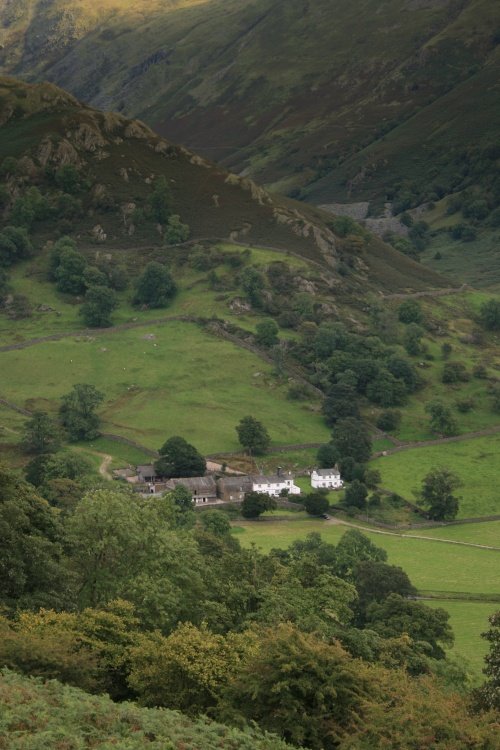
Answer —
(389, 420)
(253, 436)
(327, 456)
(178, 458)
(306, 691)
(405, 371)
(386, 390)
(32, 573)
(175, 231)
(160, 201)
(487, 697)
(412, 337)
(317, 503)
(100, 301)
(356, 494)
(266, 333)
(351, 438)
(15, 245)
(253, 283)
(427, 626)
(280, 277)
(446, 350)
(155, 287)
(465, 405)
(442, 420)
(464, 232)
(215, 522)
(28, 208)
(182, 499)
(69, 274)
(4, 285)
(77, 412)
(68, 179)
(375, 581)
(92, 276)
(454, 372)
(489, 315)
(41, 434)
(351, 469)
(44, 468)
(437, 497)
(62, 244)
(341, 402)
(353, 548)
(256, 503)
(410, 311)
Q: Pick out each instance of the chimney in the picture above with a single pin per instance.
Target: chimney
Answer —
(279, 470)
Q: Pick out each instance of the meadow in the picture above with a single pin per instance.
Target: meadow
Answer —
(468, 620)
(474, 461)
(164, 380)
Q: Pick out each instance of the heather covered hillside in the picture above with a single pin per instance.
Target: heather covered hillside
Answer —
(329, 97)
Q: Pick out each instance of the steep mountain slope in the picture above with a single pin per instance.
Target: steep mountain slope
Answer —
(120, 162)
(292, 94)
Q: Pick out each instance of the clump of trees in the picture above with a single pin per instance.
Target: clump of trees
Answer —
(178, 458)
(155, 287)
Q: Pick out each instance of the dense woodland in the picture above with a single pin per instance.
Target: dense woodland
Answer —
(145, 600)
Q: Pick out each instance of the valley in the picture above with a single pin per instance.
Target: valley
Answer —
(249, 374)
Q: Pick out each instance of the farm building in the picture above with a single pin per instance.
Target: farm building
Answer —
(233, 489)
(203, 489)
(326, 479)
(275, 485)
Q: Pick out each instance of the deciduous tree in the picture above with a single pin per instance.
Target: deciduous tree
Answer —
(178, 458)
(436, 495)
(77, 412)
(252, 435)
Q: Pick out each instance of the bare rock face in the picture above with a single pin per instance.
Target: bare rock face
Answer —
(98, 234)
(240, 306)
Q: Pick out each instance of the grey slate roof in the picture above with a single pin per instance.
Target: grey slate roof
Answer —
(147, 470)
(242, 484)
(199, 485)
(327, 472)
(274, 479)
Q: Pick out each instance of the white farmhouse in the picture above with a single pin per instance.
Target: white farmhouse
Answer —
(326, 479)
(274, 485)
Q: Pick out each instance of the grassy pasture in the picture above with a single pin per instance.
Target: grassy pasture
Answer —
(183, 381)
(468, 620)
(475, 461)
(487, 533)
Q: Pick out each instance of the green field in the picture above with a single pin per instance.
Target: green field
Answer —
(487, 533)
(180, 382)
(475, 461)
(468, 620)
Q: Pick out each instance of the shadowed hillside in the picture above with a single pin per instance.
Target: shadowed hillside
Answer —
(119, 164)
(334, 98)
